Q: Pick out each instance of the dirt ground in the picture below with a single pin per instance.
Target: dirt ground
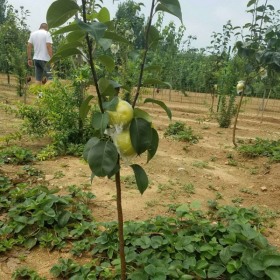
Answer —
(212, 166)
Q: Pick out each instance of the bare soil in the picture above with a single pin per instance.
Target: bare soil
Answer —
(213, 166)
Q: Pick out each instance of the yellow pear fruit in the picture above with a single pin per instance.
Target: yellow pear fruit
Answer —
(124, 145)
(122, 115)
(240, 86)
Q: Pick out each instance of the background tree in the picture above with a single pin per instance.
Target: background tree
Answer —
(128, 18)
(13, 36)
(3, 6)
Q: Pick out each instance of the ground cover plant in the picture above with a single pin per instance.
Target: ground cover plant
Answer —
(262, 147)
(192, 244)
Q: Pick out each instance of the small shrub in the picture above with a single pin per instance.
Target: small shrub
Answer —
(180, 132)
(227, 110)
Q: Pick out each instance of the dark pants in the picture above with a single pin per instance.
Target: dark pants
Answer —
(42, 69)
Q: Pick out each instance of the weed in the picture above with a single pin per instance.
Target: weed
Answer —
(188, 188)
(200, 164)
(219, 196)
(248, 191)
(129, 181)
(180, 132)
(213, 158)
(232, 162)
(237, 200)
(152, 203)
(163, 187)
(11, 137)
(58, 174)
(254, 170)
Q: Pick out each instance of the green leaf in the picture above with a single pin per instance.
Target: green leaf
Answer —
(141, 177)
(90, 143)
(75, 36)
(271, 260)
(30, 243)
(60, 11)
(115, 37)
(100, 121)
(140, 134)
(215, 270)
(107, 87)
(225, 255)
(153, 37)
(105, 43)
(201, 264)
(63, 218)
(103, 15)
(154, 145)
(102, 158)
(68, 28)
(170, 6)
(251, 2)
(273, 272)
(107, 61)
(65, 53)
(138, 113)
(84, 108)
(111, 105)
(139, 275)
(94, 29)
(161, 104)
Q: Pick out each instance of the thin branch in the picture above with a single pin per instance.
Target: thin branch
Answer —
(146, 48)
(90, 60)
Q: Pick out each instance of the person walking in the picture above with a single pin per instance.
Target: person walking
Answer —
(41, 41)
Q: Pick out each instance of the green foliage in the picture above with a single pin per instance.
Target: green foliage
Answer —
(35, 215)
(13, 35)
(180, 132)
(26, 273)
(262, 147)
(189, 245)
(16, 155)
(227, 110)
(57, 115)
(224, 243)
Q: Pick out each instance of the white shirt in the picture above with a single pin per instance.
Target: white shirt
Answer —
(39, 40)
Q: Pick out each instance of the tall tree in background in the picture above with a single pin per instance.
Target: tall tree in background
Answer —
(3, 6)
(13, 37)
(128, 18)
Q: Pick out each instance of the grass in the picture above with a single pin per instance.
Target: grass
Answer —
(201, 164)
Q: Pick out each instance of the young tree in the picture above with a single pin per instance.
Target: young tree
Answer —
(124, 130)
